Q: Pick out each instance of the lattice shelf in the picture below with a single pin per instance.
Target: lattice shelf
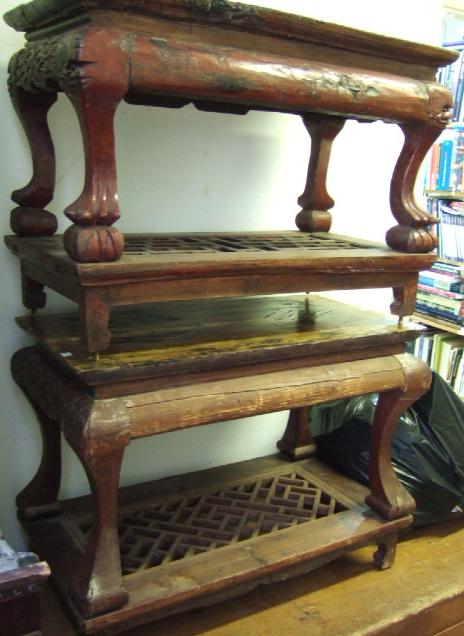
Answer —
(183, 527)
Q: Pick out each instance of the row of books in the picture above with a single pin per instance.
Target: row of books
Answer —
(452, 77)
(440, 293)
(445, 167)
(450, 230)
(444, 353)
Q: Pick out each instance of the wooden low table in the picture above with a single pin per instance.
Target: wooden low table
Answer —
(220, 56)
(163, 267)
(189, 541)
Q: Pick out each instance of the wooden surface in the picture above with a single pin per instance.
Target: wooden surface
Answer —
(273, 555)
(422, 595)
(33, 14)
(168, 339)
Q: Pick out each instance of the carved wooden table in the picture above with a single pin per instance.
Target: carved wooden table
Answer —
(221, 57)
(194, 539)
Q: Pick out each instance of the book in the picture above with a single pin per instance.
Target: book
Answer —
(446, 285)
(456, 306)
(437, 312)
(440, 292)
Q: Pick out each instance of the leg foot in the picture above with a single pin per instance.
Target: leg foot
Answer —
(94, 244)
(297, 442)
(384, 557)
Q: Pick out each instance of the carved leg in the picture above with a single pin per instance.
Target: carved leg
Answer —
(91, 238)
(412, 233)
(388, 496)
(30, 219)
(297, 442)
(404, 299)
(94, 318)
(40, 497)
(315, 200)
(385, 554)
(96, 586)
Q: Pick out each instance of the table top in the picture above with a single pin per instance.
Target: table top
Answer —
(244, 17)
(160, 255)
(168, 339)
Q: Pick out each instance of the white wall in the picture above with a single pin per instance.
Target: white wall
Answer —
(185, 170)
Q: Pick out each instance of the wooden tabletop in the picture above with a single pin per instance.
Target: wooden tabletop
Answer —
(169, 338)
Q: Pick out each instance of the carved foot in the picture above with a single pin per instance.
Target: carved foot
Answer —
(33, 222)
(297, 442)
(411, 239)
(313, 220)
(315, 200)
(94, 244)
(384, 557)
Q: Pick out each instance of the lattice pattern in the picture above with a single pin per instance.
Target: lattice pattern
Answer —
(138, 245)
(182, 528)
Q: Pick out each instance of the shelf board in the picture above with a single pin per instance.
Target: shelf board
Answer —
(438, 324)
(209, 570)
(445, 194)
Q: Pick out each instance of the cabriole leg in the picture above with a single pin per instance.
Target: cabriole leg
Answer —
(99, 442)
(412, 234)
(40, 497)
(92, 237)
(31, 219)
(388, 496)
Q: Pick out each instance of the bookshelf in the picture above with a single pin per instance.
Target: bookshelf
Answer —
(440, 304)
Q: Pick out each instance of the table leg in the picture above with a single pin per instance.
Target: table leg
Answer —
(40, 497)
(315, 200)
(413, 233)
(297, 441)
(99, 438)
(388, 496)
(30, 219)
(95, 94)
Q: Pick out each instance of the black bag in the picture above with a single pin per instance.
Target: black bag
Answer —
(427, 450)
